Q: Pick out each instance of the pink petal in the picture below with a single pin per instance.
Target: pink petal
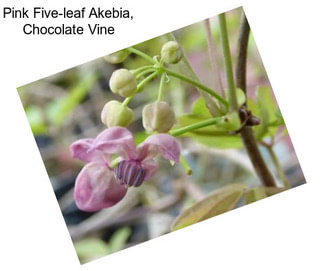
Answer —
(150, 166)
(83, 150)
(163, 144)
(116, 140)
(96, 188)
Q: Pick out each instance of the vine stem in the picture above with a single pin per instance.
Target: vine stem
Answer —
(233, 104)
(198, 125)
(198, 85)
(185, 165)
(140, 86)
(148, 70)
(213, 57)
(161, 87)
(209, 102)
(141, 69)
(279, 169)
(142, 54)
(246, 132)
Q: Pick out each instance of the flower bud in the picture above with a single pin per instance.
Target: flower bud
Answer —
(158, 117)
(171, 52)
(115, 113)
(116, 57)
(123, 82)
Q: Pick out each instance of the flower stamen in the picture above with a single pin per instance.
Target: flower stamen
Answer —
(130, 173)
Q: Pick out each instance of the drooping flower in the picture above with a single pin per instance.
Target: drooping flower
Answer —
(99, 186)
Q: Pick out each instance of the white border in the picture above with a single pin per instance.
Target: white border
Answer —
(280, 233)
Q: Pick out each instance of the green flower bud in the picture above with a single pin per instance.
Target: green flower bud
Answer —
(171, 52)
(116, 57)
(115, 113)
(123, 82)
(158, 117)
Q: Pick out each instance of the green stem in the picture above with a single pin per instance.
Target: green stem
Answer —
(138, 76)
(141, 85)
(161, 87)
(279, 169)
(197, 84)
(212, 105)
(114, 162)
(146, 80)
(198, 125)
(126, 101)
(142, 54)
(185, 165)
(228, 64)
(141, 69)
(213, 57)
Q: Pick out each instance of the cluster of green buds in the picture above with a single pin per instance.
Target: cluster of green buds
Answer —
(157, 116)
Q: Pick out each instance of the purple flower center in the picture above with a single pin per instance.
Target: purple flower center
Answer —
(130, 173)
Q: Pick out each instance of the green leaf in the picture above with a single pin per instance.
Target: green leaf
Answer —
(229, 122)
(59, 109)
(90, 249)
(218, 202)
(36, 120)
(268, 113)
(262, 192)
(119, 239)
(274, 190)
(219, 142)
(241, 97)
(253, 107)
(214, 135)
(266, 102)
(255, 194)
(140, 137)
(199, 108)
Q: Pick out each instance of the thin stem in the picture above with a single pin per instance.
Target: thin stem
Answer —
(161, 87)
(242, 54)
(209, 102)
(255, 156)
(198, 125)
(141, 69)
(185, 165)
(138, 76)
(114, 162)
(142, 54)
(126, 101)
(246, 133)
(279, 169)
(213, 57)
(141, 85)
(198, 85)
(233, 105)
(146, 80)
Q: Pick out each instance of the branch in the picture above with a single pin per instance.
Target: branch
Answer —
(247, 134)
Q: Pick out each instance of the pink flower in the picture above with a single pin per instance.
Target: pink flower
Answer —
(98, 186)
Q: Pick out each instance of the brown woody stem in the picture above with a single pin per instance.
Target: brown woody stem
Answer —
(247, 134)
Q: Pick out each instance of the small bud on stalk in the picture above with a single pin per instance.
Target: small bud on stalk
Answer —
(123, 82)
(116, 57)
(171, 52)
(158, 117)
(115, 113)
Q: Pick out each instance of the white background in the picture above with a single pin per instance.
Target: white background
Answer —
(283, 232)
